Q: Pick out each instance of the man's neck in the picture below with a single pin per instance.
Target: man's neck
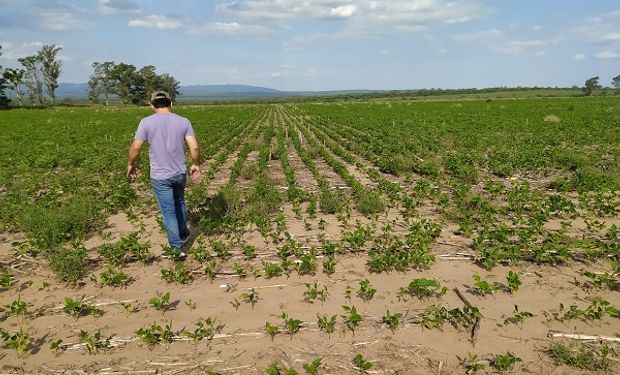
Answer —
(163, 110)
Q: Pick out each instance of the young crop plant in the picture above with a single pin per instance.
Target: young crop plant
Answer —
(210, 269)
(6, 280)
(597, 310)
(271, 330)
(200, 252)
(433, 316)
(356, 238)
(312, 368)
(177, 274)
(307, 264)
(17, 308)
(505, 362)
(602, 280)
(205, 329)
(126, 249)
(292, 325)
(473, 365)
(392, 320)
(361, 363)
(517, 317)
(272, 269)
(18, 341)
(78, 309)
(56, 346)
(326, 324)
(221, 249)
(274, 369)
(484, 287)
(93, 342)
(239, 270)
(114, 278)
(161, 302)
(585, 357)
(351, 317)
(129, 307)
(248, 251)
(366, 292)
(513, 282)
(155, 334)
(426, 288)
(251, 297)
(313, 292)
(68, 264)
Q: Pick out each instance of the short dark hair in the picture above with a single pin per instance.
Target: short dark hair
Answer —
(161, 103)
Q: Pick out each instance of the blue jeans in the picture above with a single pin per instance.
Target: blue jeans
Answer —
(170, 197)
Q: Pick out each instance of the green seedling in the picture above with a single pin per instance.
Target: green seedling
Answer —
(307, 264)
(312, 368)
(235, 303)
(93, 342)
(17, 341)
(161, 302)
(221, 249)
(272, 269)
(77, 308)
(504, 362)
(473, 364)
(210, 269)
(271, 330)
(249, 251)
(326, 324)
(603, 280)
(392, 320)
(351, 318)
(292, 325)
(17, 308)
(483, 287)
(518, 316)
(156, 334)
(6, 280)
(205, 329)
(129, 307)
(366, 292)
(425, 288)
(348, 292)
(239, 270)
(55, 346)
(113, 278)
(177, 274)
(251, 297)
(513, 282)
(312, 293)
(361, 364)
(329, 265)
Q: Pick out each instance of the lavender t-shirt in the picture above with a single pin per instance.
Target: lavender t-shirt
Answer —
(165, 133)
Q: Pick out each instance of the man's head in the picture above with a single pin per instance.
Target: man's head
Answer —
(161, 99)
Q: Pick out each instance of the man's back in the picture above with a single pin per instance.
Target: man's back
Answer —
(165, 133)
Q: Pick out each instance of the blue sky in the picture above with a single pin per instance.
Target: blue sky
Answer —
(327, 44)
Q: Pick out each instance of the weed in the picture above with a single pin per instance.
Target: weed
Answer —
(68, 264)
(366, 292)
(113, 278)
(129, 307)
(17, 341)
(248, 251)
(271, 330)
(361, 364)
(312, 292)
(250, 296)
(518, 316)
(473, 364)
(177, 274)
(425, 288)
(155, 334)
(504, 362)
(584, 357)
(392, 320)
(161, 302)
(602, 280)
(351, 318)
(326, 324)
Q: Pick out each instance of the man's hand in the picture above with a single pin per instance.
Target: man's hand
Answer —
(194, 172)
(132, 172)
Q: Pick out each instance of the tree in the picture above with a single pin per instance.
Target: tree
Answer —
(50, 68)
(169, 84)
(15, 79)
(124, 75)
(591, 85)
(4, 101)
(615, 82)
(150, 80)
(33, 78)
(101, 81)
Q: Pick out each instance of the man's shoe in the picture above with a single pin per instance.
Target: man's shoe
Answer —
(172, 253)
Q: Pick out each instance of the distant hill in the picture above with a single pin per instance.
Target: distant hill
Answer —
(80, 91)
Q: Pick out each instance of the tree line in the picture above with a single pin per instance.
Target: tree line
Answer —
(37, 79)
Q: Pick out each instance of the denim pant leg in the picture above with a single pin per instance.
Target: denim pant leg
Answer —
(178, 191)
(164, 194)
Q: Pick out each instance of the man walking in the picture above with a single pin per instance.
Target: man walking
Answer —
(167, 134)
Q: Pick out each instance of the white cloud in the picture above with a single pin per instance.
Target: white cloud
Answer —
(579, 56)
(607, 54)
(156, 21)
(614, 36)
(109, 7)
(229, 28)
(58, 21)
(536, 28)
(361, 15)
(518, 47)
(13, 51)
(276, 74)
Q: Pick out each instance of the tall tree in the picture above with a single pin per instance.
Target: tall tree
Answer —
(591, 85)
(33, 78)
(615, 82)
(4, 101)
(15, 79)
(50, 67)
(124, 75)
(101, 81)
(169, 84)
(150, 80)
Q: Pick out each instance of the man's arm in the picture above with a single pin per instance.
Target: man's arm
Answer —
(194, 150)
(134, 151)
